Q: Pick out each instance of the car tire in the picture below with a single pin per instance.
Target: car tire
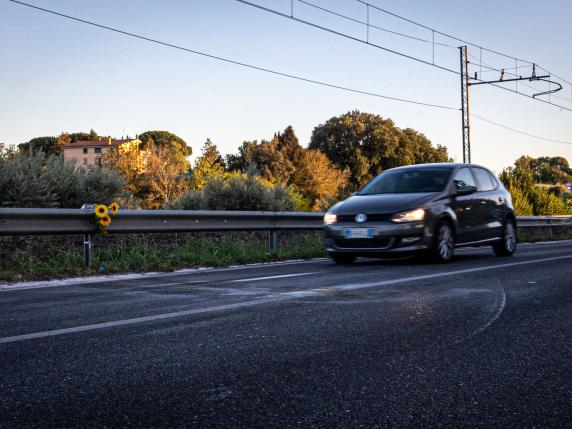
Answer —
(443, 247)
(507, 246)
(342, 258)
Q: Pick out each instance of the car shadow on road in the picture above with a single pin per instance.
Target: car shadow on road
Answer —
(420, 261)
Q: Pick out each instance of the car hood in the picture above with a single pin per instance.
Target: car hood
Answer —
(381, 203)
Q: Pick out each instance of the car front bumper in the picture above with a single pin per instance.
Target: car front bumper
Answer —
(388, 238)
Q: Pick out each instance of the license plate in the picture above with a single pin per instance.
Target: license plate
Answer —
(358, 233)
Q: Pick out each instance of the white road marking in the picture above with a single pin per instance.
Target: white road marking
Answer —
(7, 287)
(256, 279)
(279, 297)
(190, 283)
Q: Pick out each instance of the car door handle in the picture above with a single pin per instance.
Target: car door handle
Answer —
(483, 202)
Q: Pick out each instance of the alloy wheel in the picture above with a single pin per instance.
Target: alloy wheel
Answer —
(445, 242)
(509, 237)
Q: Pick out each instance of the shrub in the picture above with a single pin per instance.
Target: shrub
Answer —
(39, 180)
(238, 192)
(530, 199)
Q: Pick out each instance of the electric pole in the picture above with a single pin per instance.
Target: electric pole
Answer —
(467, 81)
(464, 57)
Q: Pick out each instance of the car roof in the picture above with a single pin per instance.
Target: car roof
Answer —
(437, 164)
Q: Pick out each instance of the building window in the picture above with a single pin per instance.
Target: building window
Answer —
(85, 161)
(84, 150)
(98, 161)
(97, 150)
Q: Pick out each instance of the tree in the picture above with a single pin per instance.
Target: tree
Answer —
(319, 180)
(283, 160)
(47, 145)
(549, 170)
(7, 152)
(367, 144)
(162, 138)
(244, 159)
(209, 164)
(527, 197)
(165, 175)
(154, 175)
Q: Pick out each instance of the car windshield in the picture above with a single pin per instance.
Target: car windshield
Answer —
(410, 180)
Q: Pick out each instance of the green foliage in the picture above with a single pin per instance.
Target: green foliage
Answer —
(165, 138)
(7, 151)
(283, 160)
(237, 192)
(209, 165)
(244, 159)
(38, 180)
(53, 145)
(546, 169)
(47, 145)
(528, 198)
(48, 257)
(367, 144)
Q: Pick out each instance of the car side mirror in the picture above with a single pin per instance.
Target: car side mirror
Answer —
(465, 190)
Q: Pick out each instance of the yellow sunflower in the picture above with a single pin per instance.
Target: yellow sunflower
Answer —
(105, 220)
(113, 208)
(101, 210)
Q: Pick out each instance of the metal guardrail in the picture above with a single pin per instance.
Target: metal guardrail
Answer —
(75, 221)
(20, 221)
(543, 221)
(17, 221)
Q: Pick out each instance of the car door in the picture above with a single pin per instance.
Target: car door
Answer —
(465, 206)
(490, 211)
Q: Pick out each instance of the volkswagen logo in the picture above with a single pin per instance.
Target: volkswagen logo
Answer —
(360, 218)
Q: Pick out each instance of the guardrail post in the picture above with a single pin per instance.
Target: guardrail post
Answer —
(272, 241)
(549, 232)
(87, 244)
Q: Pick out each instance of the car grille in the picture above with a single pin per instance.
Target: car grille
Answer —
(363, 243)
(370, 217)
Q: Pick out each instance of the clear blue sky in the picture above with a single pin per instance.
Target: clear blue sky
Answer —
(57, 75)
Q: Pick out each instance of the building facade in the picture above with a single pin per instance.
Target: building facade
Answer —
(87, 153)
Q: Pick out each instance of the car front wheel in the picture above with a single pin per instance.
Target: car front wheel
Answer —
(507, 246)
(444, 243)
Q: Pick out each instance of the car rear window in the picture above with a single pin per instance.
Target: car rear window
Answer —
(486, 181)
(408, 180)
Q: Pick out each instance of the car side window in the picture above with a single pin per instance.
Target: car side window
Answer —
(464, 177)
(486, 182)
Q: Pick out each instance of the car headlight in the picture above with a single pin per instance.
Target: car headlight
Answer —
(330, 218)
(409, 216)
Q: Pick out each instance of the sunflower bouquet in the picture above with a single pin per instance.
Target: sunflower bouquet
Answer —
(103, 215)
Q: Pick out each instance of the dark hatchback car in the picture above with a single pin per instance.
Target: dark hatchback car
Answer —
(428, 209)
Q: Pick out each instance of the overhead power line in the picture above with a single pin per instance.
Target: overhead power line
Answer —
(291, 16)
(357, 21)
(440, 32)
(239, 63)
(520, 132)
(347, 36)
(480, 47)
(235, 62)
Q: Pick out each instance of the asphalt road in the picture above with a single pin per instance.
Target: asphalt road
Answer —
(479, 342)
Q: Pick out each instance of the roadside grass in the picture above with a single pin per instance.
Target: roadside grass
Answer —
(46, 257)
(37, 258)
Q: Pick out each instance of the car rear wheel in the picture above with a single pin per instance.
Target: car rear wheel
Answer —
(444, 243)
(507, 246)
(342, 258)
